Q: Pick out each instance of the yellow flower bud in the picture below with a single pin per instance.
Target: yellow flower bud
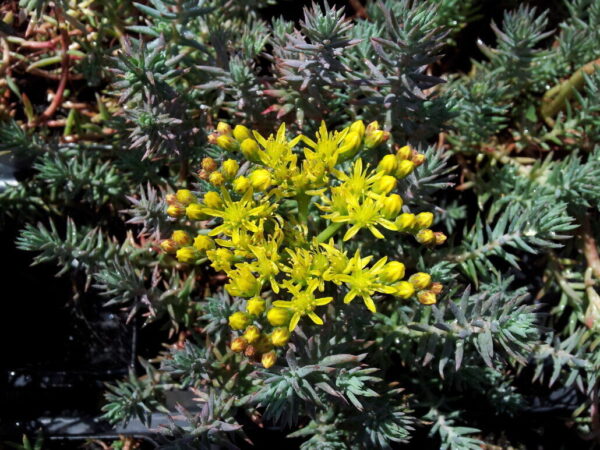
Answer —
(269, 359)
(176, 211)
(392, 272)
(427, 298)
(358, 127)
(436, 288)
(388, 164)
(202, 243)
(392, 206)
(181, 237)
(230, 168)
(372, 127)
(250, 150)
(423, 220)
(404, 289)
(405, 168)
(209, 164)
(224, 128)
(252, 334)
(227, 143)
(255, 306)
(280, 336)
(278, 316)
(185, 196)
(385, 184)
(242, 283)
(171, 199)
(260, 179)
(239, 344)
(420, 280)
(216, 179)
(350, 145)
(376, 138)
(404, 153)
(405, 221)
(425, 237)
(212, 199)
(240, 132)
(418, 159)
(251, 351)
(241, 184)
(187, 255)
(169, 246)
(220, 258)
(195, 211)
(239, 320)
(264, 344)
(440, 238)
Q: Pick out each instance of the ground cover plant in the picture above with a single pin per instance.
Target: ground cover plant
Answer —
(344, 225)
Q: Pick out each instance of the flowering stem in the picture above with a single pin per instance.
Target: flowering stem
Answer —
(329, 231)
(303, 202)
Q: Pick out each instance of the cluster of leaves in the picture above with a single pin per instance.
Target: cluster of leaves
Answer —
(518, 134)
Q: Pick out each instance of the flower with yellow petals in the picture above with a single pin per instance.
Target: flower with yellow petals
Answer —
(364, 282)
(303, 303)
(367, 214)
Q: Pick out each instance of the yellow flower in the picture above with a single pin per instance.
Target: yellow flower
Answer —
(169, 246)
(239, 320)
(224, 128)
(220, 258)
(278, 316)
(227, 143)
(358, 127)
(181, 237)
(208, 164)
(255, 306)
(203, 243)
(252, 334)
(176, 211)
(195, 211)
(405, 221)
(360, 181)
(268, 359)
(277, 151)
(392, 205)
(425, 237)
(440, 238)
(404, 289)
(242, 282)
(185, 196)
(212, 199)
(250, 150)
(404, 153)
(385, 185)
(261, 179)
(418, 159)
(405, 168)
(420, 280)
(266, 264)
(350, 146)
(230, 168)
(303, 303)
(328, 145)
(388, 164)
(280, 337)
(364, 282)
(187, 255)
(367, 214)
(423, 220)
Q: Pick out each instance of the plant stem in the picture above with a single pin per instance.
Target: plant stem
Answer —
(303, 204)
(329, 231)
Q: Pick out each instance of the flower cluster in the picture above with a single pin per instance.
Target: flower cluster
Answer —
(256, 227)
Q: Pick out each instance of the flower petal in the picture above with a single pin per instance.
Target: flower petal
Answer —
(294, 321)
(282, 304)
(316, 319)
(370, 304)
(323, 301)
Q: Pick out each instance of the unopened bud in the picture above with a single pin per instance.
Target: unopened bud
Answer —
(420, 280)
(181, 237)
(240, 132)
(358, 127)
(212, 199)
(385, 184)
(388, 164)
(185, 196)
(227, 143)
(440, 238)
(176, 210)
(427, 298)
(252, 334)
(251, 351)
(372, 127)
(418, 159)
(280, 337)
(405, 168)
(350, 145)
(216, 179)
(425, 237)
(405, 221)
(250, 150)
(436, 288)
(404, 153)
(239, 320)
(375, 138)
(255, 306)
(392, 206)
(269, 359)
(171, 199)
(278, 317)
(260, 179)
(239, 344)
(187, 255)
(195, 211)
(224, 128)
(208, 164)
(202, 243)
(404, 289)
(392, 272)
(203, 175)
(169, 246)
(230, 168)
(241, 184)
(423, 220)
